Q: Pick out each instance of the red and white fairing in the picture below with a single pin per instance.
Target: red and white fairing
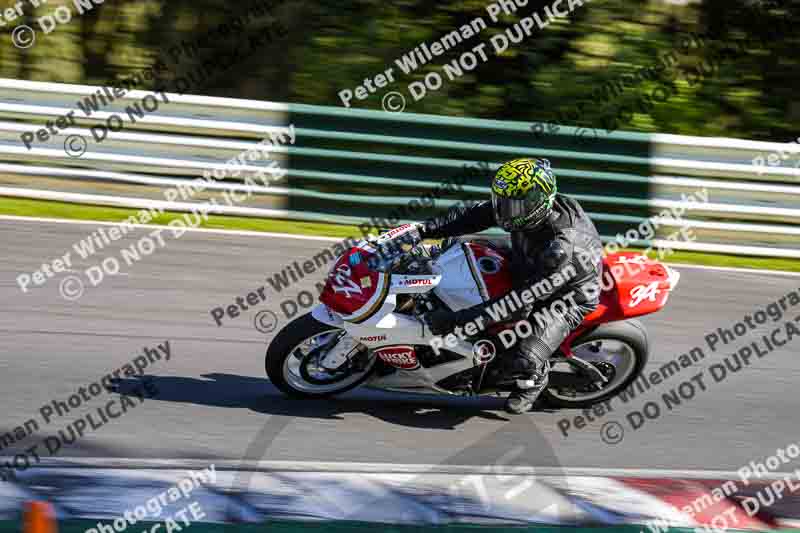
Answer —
(353, 289)
(362, 302)
(472, 273)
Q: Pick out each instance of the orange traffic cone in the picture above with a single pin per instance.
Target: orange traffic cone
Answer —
(39, 518)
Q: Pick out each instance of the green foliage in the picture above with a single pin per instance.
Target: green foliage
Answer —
(332, 45)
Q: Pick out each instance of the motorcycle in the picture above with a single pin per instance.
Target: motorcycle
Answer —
(368, 328)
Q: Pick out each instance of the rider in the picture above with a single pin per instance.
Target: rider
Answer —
(549, 232)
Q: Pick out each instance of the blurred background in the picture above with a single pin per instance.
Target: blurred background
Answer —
(331, 45)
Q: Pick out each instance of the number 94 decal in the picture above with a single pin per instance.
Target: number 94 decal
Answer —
(641, 293)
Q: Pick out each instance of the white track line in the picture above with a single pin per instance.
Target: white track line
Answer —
(735, 269)
(246, 233)
(384, 468)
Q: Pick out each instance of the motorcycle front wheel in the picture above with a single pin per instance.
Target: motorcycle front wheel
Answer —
(292, 361)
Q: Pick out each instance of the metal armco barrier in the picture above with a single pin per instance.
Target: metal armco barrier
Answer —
(350, 165)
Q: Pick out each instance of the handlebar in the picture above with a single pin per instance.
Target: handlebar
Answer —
(389, 247)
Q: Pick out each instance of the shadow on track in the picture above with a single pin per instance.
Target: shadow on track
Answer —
(259, 395)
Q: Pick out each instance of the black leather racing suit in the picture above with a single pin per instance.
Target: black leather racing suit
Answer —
(566, 243)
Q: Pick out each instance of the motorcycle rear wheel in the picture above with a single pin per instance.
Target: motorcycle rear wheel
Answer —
(622, 343)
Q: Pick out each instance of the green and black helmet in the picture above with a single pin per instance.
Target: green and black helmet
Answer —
(523, 192)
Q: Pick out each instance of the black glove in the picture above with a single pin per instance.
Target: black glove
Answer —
(421, 230)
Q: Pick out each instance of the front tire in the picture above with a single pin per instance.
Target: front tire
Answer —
(290, 357)
(624, 343)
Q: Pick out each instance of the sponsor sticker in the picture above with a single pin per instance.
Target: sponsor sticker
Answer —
(398, 229)
(402, 357)
(373, 338)
(411, 282)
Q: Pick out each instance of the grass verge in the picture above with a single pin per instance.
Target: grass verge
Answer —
(48, 209)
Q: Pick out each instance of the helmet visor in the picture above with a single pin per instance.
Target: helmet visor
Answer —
(516, 213)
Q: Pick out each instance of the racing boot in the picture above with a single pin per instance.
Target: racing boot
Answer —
(531, 372)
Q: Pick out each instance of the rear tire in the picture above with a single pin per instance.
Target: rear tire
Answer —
(631, 333)
(284, 345)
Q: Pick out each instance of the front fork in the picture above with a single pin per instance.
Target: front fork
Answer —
(322, 313)
(342, 349)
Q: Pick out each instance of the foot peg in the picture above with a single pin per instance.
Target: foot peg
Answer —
(586, 367)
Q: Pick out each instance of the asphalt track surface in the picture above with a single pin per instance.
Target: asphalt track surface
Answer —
(215, 402)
